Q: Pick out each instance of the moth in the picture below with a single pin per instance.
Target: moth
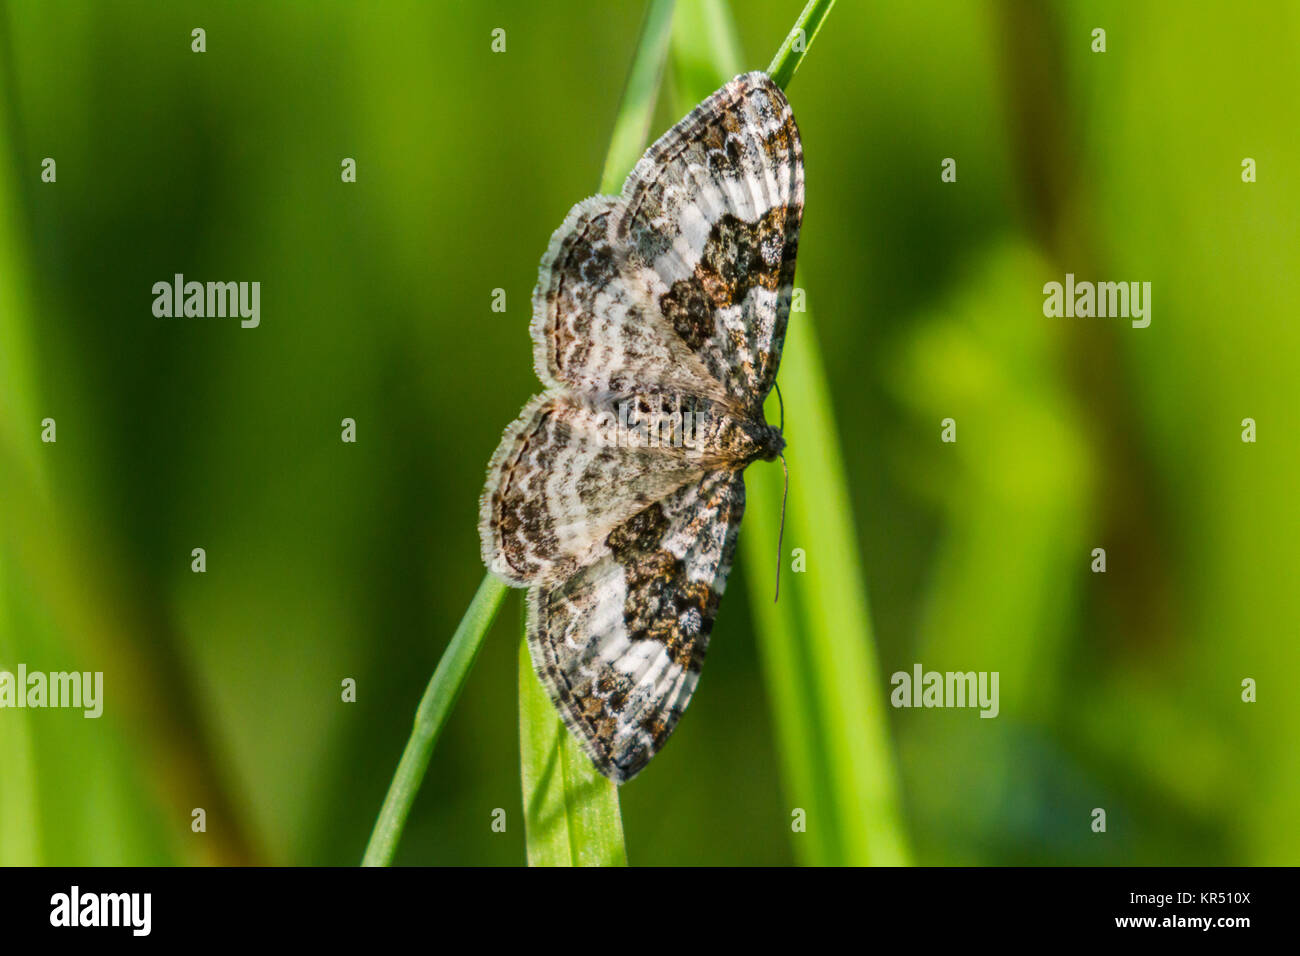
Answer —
(616, 496)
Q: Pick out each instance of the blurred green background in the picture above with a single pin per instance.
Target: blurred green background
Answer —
(327, 560)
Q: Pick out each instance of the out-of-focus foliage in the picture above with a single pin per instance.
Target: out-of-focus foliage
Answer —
(327, 561)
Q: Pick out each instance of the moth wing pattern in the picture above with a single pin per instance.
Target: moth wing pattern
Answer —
(684, 280)
(619, 644)
(596, 321)
(714, 207)
(677, 290)
(560, 481)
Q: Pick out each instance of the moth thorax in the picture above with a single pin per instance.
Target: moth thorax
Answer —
(656, 420)
(742, 441)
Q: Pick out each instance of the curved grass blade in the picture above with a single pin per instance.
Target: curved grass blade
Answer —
(571, 812)
(437, 702)
(19, 795)
(816, 644)
(798, 42)
(632, 125)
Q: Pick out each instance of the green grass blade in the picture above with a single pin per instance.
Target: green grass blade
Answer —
(798, 42)
(706, 52)
(818, 652)
(439, 698)
(632, 125)
(571, 812)
(816, 644)
(19, 795)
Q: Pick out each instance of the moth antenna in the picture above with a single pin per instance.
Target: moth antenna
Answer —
(781, 534)
(780, 401)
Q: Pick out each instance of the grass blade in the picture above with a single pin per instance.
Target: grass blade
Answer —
(571, 812)
(706, 52)
(632, 125)
(439, 698)
(816, 644)
(798, 42)
(818, 652)
(19, 795)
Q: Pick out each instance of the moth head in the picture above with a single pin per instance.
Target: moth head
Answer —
(743, 440)
(773, 444)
